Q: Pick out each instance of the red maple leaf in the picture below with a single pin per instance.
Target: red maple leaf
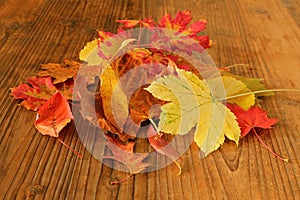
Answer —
(180, 23)
(254, 117)
(53, 116)
(34, 94)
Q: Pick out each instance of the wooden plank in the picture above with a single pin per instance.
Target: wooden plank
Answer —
(264, 34)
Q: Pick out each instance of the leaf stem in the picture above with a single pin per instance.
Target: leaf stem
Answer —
(256, 92)
(267, 147)
(120, 181)
(235, 65)
(70, 148)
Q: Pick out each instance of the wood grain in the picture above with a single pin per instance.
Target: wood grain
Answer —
(264, 34)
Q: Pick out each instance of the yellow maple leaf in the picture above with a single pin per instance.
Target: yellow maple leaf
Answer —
(193, 103)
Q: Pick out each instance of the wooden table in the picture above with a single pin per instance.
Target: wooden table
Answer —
(264, 34)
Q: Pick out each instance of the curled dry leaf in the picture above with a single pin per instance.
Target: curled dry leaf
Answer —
(53, 116)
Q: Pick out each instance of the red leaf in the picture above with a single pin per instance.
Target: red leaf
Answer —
(179, 23)
(203, 40)
(183, 18)
(254, 117)
(34, 94)
(162, 146)
(197, 27)
(53, 116)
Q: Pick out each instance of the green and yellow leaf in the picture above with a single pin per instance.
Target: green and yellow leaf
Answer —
(194, 102)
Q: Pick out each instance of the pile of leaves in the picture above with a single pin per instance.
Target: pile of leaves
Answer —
(170, 103)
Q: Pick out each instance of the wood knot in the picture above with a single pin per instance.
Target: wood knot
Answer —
(33, 191)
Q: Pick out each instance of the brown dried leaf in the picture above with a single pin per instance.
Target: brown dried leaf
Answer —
(60, 72)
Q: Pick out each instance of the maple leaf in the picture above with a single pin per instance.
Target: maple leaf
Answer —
(162, 146)
(253, 118)
(34, 94)
(180, 24)
(53, 116)
(133, 161)
(60, 72)
(192, 104)
(196, 27)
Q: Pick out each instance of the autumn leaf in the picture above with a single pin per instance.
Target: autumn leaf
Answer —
(115, 103)
(35, 93)
(133, 161)
(89, 53)
(254, 118)
(163, 147)
(91, 107)
(60, 72)
(53, 116)
(180, 23)
(191, 104)
(254, 84)
(232, 87)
